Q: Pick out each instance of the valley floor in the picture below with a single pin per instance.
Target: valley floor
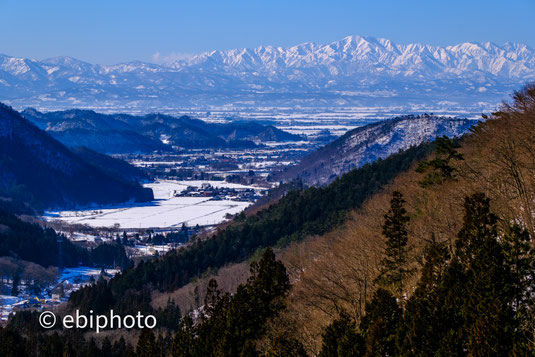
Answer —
(166, 210)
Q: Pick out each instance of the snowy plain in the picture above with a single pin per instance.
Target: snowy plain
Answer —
(165, 210)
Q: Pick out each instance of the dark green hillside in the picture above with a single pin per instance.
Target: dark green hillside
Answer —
(30, 242)
(38, 169)
(113, 167)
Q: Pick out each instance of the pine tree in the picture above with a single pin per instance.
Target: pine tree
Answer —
(106, 348)
(146, 345)
(341, 339)
(395, 268)
(92, 349)
(212, 298)
(439, 169)
(230, 325)
(282, 345)
(170, 316)
(163, 344)
(520, 256)
(489, 319)
(15, 284)
(380, 324)
(422, 325)
(119, 347)
(476, 298)
(479, 226)
(184, 339)
(517, 248)
(255, 302)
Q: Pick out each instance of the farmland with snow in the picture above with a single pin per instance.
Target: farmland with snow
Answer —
(166, 210)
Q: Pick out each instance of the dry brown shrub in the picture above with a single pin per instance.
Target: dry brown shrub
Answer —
(190, 296)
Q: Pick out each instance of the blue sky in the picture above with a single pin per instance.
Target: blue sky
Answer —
(115, 31)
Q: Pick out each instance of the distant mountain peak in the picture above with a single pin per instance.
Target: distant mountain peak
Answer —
(306, 74)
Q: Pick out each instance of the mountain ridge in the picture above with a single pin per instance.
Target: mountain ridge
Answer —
(354, 71)
(371, 142)
(377, 49)
(124, 133)
(38, 169)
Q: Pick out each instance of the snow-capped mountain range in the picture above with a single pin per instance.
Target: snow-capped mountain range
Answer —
(355, 71)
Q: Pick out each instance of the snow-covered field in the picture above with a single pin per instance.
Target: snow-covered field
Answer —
(80, 274)
(165, 211)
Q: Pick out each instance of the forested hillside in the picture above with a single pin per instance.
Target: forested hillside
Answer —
(371, 142)
(298, 214)
(30, 242)
(38, 169)
(110, 165)
(123, 133)
(453, 277)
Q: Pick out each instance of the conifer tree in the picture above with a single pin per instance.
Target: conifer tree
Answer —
(421, 329)
(146, 345)
(476, 298)
(91, 350)
(479, 226)
(439, 169)
(520, 256)
(341, 338)
(183, 342)
(163, 344)
(489, 320)
(119, 347)
(380, 324)
(230, 325)
(395, 266)
(282, 345)
(15, 284)
(170, 316)
(106, 349)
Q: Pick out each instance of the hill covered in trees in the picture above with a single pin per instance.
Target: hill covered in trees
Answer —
(369, 143)
(38, 169)
(32, 243)
(458, 261)
(112, 166)
(122, 133)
